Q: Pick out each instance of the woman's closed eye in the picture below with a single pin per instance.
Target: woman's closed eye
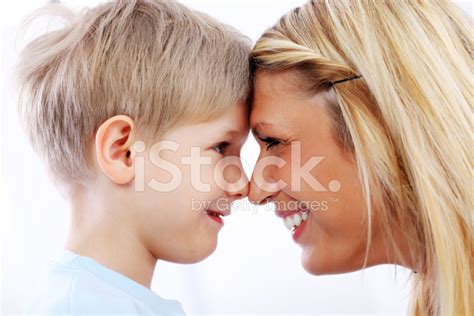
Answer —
(270, 142)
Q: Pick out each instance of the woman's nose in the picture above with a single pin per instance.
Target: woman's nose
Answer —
(257, 195)
(262, 188)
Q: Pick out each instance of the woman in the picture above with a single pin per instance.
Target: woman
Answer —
(380, 93)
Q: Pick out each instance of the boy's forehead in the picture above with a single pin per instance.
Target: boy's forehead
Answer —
(237, 119)
(233, 123)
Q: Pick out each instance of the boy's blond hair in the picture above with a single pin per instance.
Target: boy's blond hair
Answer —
(156, 61)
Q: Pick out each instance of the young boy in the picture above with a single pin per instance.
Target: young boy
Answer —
(139, 110)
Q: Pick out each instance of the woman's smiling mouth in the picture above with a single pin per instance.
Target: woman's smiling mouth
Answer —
(294, 221)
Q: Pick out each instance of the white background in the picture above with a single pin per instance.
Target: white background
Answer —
(256, 268)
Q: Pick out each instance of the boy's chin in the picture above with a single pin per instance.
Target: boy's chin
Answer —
(197, 254)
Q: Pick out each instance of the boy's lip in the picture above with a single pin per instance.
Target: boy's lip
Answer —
(223, 213)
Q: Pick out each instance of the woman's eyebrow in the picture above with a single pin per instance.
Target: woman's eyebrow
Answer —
(255, 132)
(255, 129)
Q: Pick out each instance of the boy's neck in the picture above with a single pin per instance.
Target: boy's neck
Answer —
(110, 243)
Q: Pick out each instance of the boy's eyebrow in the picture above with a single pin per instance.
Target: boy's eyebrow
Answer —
(233, 134)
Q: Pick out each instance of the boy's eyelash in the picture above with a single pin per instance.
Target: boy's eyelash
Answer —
(221, 147)
(271, 142)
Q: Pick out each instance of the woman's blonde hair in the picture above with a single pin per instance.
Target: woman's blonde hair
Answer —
(156, 61)
(407, 119)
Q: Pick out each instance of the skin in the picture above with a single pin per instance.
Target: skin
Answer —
(128, 230)
(334, 238)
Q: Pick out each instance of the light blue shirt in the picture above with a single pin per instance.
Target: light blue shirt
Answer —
(80, 285)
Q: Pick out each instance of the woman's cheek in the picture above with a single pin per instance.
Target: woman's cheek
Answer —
(283, 173)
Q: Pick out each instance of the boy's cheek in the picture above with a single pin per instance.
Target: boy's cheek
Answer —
(198, 182)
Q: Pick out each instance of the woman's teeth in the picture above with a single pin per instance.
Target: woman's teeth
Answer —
(295, 220)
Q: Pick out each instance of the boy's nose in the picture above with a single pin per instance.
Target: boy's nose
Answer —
(239, 192)
(238, 185)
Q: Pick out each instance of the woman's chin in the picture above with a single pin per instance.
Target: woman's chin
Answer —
(311, 263)
(316, 264)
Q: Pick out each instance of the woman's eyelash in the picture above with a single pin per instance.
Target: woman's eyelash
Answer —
(270, 142)
(221, 147)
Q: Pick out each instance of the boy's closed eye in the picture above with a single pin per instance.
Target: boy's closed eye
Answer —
(221, 147)
(231, 143)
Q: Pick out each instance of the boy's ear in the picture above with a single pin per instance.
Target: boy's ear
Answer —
(113, 144)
